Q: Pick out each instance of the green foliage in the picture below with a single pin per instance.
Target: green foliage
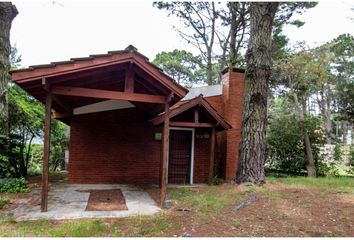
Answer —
(287, 9)
(283, 16)
(279, 43)
(343, 49)
(26, 120)
(13, 185)
(327, 169)
(285, 147)
(3, 202)
(285, 143)
(26, 112)
(36, 159)
(343, 68)
(15, 58)
(345, 184)
(345, 100)
(25, 123)
(4, 167)
(181, 65)
(59, 141)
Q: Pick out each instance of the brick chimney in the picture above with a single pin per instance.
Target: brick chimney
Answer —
(233, 83)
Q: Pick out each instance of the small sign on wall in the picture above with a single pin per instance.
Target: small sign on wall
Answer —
(202, 136)
(158, 136)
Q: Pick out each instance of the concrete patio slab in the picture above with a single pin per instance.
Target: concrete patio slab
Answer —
(68, 201)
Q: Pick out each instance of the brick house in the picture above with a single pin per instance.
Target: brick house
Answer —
(130, 123)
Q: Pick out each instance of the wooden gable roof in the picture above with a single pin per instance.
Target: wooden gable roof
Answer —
(73, 82)
(183, 106)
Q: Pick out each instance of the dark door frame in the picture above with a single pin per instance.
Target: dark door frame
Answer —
(192, 152)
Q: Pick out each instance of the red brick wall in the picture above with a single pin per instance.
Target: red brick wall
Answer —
(233, 84)
(113, 147)
(233, 88)
(230, 107)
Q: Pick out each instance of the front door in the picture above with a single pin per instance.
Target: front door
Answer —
(179, 164)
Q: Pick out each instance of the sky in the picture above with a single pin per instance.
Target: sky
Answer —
(48, 31)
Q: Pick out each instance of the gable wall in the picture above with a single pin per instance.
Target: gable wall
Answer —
(113, 147)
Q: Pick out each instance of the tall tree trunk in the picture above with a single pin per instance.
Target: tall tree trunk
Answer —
(344, 132)
(210, 46)
(28, 154)
(209, 71)
(325, 104)
(328, 114)
(300, 110)
(233, 9)
(253, 142)
(7, 13)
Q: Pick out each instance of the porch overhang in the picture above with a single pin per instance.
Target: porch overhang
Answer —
(215, 120)
(118, 75)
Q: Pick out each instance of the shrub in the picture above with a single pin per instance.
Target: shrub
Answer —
(13, 185)
(4, 167)
(285, 144)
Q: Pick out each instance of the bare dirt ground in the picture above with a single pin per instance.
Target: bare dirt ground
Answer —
(286, 211)
(106, 200)
(278, 209)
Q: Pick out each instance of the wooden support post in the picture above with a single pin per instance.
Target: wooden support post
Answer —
(48, 107)
(212, 156)
(165, 145)
(196, 115)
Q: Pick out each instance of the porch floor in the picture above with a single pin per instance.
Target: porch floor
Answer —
(68, 201)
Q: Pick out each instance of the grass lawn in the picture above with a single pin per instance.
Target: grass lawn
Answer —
(283, 207)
